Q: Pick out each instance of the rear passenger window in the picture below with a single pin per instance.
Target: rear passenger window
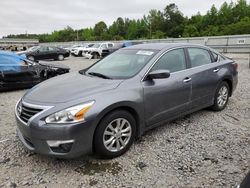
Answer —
(172, 61)
(199, 57)
(217, 57)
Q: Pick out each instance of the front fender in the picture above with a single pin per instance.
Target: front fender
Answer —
(132, 107)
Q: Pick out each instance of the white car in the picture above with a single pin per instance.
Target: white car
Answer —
(95, 51)
(78, 50)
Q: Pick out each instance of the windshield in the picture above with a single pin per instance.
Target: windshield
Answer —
(122, 64)
(96, 46)
(33, 48)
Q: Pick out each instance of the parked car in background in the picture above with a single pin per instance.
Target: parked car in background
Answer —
(45, 52)
(71, 47)
(18, 72)
(95, 51)
(117, 46)
(78, 50)
(105, 107)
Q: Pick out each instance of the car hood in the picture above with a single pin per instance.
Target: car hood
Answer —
(21, 52)
(68, 87)
(92, 49)
(53, 65)
(80, 48)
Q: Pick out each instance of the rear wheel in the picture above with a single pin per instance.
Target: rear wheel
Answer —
(221, 97)
(60, 57)
(115, 134)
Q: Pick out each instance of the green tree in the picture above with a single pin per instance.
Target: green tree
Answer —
(174, 21)
(232, 18)
(191, 31)
(100, 30)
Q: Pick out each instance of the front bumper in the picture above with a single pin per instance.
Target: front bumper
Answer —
(74, 52)
(38, 138)
(88, 55)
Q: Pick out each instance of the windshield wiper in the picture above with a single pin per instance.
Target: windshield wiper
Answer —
(99, 75)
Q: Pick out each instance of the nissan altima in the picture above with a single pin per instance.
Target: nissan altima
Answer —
(103, 108)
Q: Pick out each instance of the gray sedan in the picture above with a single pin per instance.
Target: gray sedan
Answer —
(103, 108)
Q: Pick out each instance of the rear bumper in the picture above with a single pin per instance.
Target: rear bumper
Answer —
(37, 138)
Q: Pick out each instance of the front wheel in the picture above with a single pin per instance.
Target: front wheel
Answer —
(221, 97)
(60, 57)
(95, 56)
(115, 134)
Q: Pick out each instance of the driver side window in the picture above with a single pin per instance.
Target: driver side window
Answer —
(43, 49)
(173, 61)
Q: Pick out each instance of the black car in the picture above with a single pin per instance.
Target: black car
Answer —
(17, 72)
(45, 52)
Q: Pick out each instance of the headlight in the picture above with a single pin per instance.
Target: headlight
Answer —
(70, 115)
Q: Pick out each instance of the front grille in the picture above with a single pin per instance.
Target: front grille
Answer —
(28, 112)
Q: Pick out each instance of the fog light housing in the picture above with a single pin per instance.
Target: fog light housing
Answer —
(60, 146)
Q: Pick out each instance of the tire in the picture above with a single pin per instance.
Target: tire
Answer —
(31, 58)
(95, 56)
(60, 57)
(114, 138)
(221, 97)
(79, 54)
(82, 54)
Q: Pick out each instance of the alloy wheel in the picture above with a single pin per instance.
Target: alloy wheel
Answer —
(117, 135)
(60, 57)
(222, 96)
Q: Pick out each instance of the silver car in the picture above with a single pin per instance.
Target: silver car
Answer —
(103, 108)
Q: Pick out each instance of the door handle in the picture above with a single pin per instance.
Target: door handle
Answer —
(216, 70)
(186, 80)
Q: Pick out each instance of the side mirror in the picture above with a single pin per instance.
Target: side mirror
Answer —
(159, 74)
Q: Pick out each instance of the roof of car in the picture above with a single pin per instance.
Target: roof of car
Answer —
(161, 46)
(8, 53)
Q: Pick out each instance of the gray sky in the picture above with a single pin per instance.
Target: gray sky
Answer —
(44, 16)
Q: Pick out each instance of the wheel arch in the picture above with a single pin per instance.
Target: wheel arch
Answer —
(229, 81)
(129, 107)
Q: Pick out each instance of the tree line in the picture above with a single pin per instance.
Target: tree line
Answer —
(229, 19)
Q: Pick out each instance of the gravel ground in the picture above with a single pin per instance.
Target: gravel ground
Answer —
(204, 149)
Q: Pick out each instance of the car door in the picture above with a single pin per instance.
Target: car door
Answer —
(40, 53)
(167, 98)
(204, 75)
(52, 53)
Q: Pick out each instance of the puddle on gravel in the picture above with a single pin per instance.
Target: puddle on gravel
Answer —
(90, 168)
